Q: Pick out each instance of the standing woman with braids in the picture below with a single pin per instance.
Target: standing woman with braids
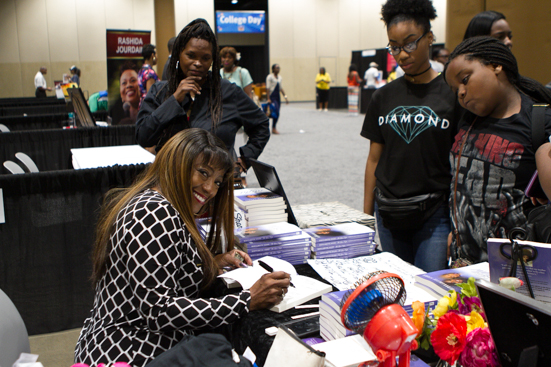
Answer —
(197, 97)
(493, 154)
(411, 123)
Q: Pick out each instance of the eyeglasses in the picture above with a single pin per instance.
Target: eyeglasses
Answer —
(408, 47)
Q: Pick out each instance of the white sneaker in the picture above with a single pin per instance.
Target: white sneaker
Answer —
(326, 110)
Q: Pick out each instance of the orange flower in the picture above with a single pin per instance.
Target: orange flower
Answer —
(418, 316)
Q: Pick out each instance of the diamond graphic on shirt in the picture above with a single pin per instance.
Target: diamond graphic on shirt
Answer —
(410, 121)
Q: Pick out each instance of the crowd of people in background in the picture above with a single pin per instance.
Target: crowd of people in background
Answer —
(451, 151)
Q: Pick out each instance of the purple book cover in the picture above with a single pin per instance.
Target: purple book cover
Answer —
(312, 341)
(346, 230)
(443, 281)
(280, 250)
(344, 251)
(255, 196)
(342, 244)
(266, 232)
(300, 252)
(302, 237)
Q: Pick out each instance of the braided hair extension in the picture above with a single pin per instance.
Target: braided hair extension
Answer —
(489, 50)
(198, 28)
(397, 11)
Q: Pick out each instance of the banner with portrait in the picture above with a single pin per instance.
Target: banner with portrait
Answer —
(124, 60)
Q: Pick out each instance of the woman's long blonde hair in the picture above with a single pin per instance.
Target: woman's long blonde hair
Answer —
(171, 173)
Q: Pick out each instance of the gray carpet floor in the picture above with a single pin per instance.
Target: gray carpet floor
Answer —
(319, 157)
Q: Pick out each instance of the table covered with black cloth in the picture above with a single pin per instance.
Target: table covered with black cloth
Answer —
(46, 242)
(30, 101)
(51, 149)
(33, 109)
(45, 121)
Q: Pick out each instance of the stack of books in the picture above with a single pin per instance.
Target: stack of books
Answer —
(342, 241)
(439, 283)
(280, 240)
(203, 225)
(331, 327)
(258, 206)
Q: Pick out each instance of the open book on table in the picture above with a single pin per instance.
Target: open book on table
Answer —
(305, 289)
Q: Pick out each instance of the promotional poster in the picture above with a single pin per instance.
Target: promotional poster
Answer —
(124, 60)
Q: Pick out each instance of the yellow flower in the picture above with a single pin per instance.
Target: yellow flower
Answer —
(474, 321)
(453, 298)
(445, 304)
(442, 307)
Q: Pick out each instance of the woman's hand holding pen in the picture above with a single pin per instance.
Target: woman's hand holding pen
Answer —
(188, 85)
(269, 290)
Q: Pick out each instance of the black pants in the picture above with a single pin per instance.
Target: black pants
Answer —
(40, 93)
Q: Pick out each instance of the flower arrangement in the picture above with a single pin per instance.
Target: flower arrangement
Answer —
(457, 329)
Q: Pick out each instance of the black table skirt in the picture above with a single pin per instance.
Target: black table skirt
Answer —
(44, 121)
(51, 149)
(46, 242)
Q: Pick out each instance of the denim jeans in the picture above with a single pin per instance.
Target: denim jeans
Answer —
(425, 248)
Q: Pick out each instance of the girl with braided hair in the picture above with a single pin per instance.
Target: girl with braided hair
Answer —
(490, 23)
(197, 97)
(492, 157)
(411, 123)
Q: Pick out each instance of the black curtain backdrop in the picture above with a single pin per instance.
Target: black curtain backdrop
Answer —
(362, 63)
(27, 101)
(51, 149)
(46, 121)
(33, 109)
(46, 242)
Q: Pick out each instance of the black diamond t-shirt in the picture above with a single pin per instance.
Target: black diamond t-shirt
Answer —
(416, 123)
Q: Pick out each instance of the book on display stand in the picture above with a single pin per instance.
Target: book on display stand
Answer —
(537, 262)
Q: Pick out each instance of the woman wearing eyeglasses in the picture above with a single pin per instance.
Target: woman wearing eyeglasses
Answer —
(411, 123)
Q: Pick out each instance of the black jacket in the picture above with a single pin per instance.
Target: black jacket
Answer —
(160, 119)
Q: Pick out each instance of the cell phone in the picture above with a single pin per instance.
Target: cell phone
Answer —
(534, 190)
(305, 327)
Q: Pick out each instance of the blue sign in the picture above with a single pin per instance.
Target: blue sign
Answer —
(240, 22)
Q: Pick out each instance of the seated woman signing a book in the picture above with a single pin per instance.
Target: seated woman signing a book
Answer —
(151, 266)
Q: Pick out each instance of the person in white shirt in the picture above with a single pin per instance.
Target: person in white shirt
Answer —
(40, 83)
(371, 75)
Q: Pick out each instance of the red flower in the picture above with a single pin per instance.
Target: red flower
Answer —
(449, 337)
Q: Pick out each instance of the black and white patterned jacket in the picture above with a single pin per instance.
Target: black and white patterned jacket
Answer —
(148, 298)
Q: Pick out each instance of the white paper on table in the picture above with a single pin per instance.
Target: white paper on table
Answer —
(357, 351)
(344, 273)
(109, 156)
